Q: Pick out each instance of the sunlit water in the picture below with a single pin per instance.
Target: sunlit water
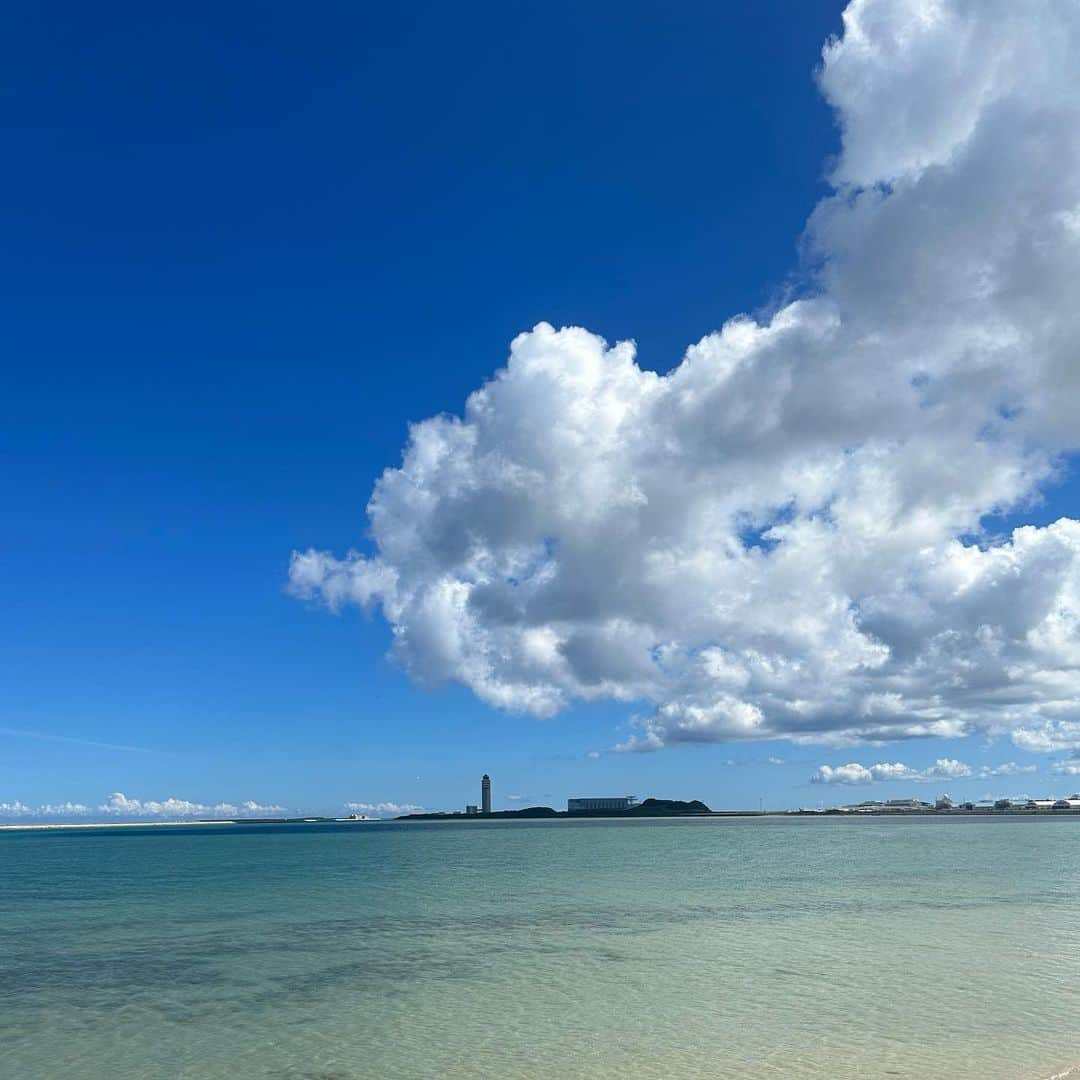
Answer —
(693, 948)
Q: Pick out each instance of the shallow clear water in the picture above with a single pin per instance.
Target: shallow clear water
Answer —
(689, 948)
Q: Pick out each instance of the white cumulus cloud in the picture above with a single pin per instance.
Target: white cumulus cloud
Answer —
(120, 805)
(790, 533)
(942, 769)
(1050, 735)
(852, 773)
(18, 809)
(1009, 768)
(383, 809)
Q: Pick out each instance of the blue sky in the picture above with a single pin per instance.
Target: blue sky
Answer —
(245, 249)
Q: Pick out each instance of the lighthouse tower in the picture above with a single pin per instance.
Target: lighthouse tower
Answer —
(485, 794)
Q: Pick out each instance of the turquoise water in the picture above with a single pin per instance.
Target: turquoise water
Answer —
(691, 948)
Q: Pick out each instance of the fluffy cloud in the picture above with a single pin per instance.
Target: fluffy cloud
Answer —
(120, 805)
(852, 773)
(1049, 736)
(1068, 767)
(19, 809)
(383, 809)
(942, 769)
(1009, 768)
(790, 533)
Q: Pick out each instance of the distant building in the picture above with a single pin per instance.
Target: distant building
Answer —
(471, 809)
(610, 802)
(485, 794)
(890, 806)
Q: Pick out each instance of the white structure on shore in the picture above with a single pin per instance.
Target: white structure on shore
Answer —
(485, 794)
(612, 802)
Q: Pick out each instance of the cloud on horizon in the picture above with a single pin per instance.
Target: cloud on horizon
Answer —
(790, 534)
(943, 769)
(383, 809)
(19, 809)
(120, 806)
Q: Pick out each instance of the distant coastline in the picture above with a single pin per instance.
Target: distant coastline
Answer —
(646, 808)
(669, 809)
(547, 813)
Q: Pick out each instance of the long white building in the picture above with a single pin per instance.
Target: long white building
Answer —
(606, 802)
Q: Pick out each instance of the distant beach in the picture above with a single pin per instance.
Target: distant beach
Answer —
(103, 825)
(53, 825)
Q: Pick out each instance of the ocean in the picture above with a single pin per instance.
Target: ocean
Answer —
(685, 948)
